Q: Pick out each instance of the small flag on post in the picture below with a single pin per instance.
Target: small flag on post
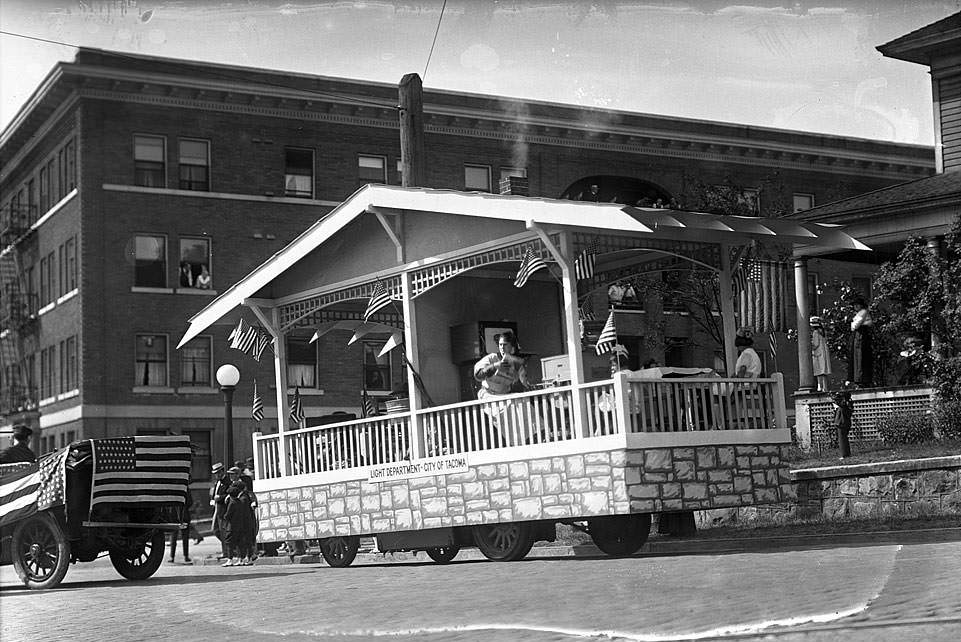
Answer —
(608, 338)
(370, 406)
(257, 409)
(260, 344)
(296, 408)
(379, 298)
(772, 340)
(530, 264)
(584, 264)
(586, 311)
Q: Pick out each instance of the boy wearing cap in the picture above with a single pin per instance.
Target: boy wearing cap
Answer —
(20, 448)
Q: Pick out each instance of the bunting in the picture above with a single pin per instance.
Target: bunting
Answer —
(379, 298)
(257, 409)
(530, 264)
(584, 264)
(608, 338)
(297, 408)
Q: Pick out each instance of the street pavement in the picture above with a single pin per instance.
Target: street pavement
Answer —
(849, 590)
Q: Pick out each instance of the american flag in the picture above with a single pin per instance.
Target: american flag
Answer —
(243, 336)
(296, 408)
(142, 469)
(27, 487)
(586, 311)
(584, 264)
(370, 406)
(530, 264)
(772, 343)
(257, 409)
(260, 344)
(608, 338)
(379, 298)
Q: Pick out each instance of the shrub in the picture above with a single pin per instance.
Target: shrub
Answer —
(902, 429)
(947, 419)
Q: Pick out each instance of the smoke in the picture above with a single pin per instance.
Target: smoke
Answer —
(518, 115)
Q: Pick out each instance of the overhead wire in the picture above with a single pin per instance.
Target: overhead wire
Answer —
(392, 104)
(434, 41)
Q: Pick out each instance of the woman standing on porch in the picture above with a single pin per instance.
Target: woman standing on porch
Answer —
(860, 354)
(497, 374)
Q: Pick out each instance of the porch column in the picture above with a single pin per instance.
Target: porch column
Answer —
(280, 379)
(933, 244)
(572, 334)
(804, 365)
(728, 324)
(417, 449)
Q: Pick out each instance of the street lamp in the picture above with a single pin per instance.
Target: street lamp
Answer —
(228, 377)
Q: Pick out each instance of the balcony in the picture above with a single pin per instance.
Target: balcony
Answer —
(15, 222)
(18, 310)
(18, 398)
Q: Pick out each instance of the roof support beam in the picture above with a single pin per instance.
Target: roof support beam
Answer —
(391, 228)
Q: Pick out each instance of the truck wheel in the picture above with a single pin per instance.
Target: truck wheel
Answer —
(339, 551)
(40, 551)
(443, 554)
(620, 535)
(141, 560)
(504, 542)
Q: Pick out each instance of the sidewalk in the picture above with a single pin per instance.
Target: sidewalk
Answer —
(698, 545)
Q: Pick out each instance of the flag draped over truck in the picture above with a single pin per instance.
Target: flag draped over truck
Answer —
(26, 488)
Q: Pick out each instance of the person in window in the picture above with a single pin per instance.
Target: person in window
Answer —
(19, 450)
(186, 275)
(861, 353)
(203, 279)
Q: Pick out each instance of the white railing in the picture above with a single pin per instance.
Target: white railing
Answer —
(675, 405)
(626, 404)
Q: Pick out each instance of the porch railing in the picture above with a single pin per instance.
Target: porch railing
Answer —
(626, 404)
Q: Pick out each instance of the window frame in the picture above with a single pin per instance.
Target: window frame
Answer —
(486, 168)
(137, 361)
(287, 173)
(386, 369)
(194, 272)
(294, 381)
(210, 362)
(382, 180)
(794, 198)
(163, 261)
(189, 183)
(162, 182)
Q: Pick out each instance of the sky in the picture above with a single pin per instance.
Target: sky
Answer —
(809, 66)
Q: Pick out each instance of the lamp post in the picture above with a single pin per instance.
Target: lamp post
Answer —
(228, 377)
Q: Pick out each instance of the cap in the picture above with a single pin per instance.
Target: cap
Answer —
(21, 431)
(216, 468)
(233, 469)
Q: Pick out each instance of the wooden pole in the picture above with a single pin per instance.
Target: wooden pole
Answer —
(411, 106)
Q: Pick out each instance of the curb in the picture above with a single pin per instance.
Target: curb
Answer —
(692, 546)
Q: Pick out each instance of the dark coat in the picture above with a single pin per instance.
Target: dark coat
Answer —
(238, 520)
(17, 453)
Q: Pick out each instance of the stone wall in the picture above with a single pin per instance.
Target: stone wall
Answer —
(548, 488)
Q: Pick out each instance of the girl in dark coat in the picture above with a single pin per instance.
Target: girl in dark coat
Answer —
(237, 525)
(861, 359)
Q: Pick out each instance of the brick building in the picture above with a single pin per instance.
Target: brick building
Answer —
(136, 188)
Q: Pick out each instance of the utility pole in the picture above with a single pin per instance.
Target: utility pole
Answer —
(410, 93)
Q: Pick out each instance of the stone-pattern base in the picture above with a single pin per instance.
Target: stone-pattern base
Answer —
(550, 488)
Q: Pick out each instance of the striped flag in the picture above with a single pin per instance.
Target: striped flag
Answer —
(260, 344)
(584, 264)
(370, 406)
(530, 264)
(257, 409)
(379, 298)
(586, 311)
(19, 491)
(608, 338)
(772, 343)
(142, 469)
(296, 408)
(243, 336)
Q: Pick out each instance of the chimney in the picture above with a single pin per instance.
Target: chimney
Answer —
(515, 186)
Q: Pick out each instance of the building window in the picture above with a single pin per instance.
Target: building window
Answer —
(195, 165)
(195, 363)
(48, 279)
(803, 202)
(151, 360)
(376, 368)
(52, 182)
(149, 167)
(44, 190)
(70, 151)
(48, 374)
(301, 362)
(372, 169)
(68, 364)
(31, 202)
(44, 294)
(71, 255)
(299, 173)
(199, 453)
(477, 178)
(150, 269)
(195, 263)
(519, 172)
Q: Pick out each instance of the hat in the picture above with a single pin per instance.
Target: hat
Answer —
(233, 469)
(216, 468)
(815, 320)
(22, 432)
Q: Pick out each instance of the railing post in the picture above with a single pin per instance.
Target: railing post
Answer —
(258, 472)
(622, 401)
(780, 410)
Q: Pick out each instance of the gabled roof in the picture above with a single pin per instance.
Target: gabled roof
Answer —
(548, 213)
(917, 46)
(933, 191)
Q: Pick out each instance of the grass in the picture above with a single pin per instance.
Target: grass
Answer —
(869, 452)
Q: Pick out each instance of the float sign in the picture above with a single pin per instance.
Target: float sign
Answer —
(420, 468)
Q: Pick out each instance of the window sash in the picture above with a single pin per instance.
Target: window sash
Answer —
(195, 363)
(803, 202)
(372, 169)
(477, 178)
(149, 165)
(299, 173)
(151, 360)
(150, 262)
(301, 362)
(377, 371)
(195, 252)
